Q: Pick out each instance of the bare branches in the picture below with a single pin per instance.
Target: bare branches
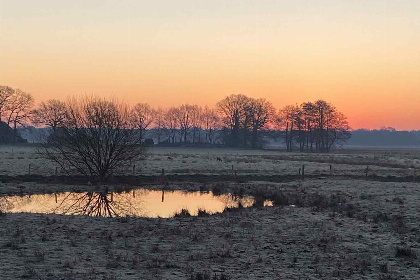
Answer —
(15, 110)
(314, 127)
(95, 137)
(51, 113)
(142, 116)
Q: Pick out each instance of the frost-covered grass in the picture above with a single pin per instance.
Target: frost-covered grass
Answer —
(15, 160)
(327, 228)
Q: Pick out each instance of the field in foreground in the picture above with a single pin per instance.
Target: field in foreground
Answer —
(324, 227)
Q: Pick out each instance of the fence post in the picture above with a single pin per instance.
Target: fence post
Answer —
(331, 169)
(303, 172)
(367, 170)
(29, 169)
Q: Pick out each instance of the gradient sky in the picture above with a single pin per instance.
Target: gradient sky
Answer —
(362, 56)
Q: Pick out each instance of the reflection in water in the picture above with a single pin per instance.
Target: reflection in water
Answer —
(141, 203)
(99, 204)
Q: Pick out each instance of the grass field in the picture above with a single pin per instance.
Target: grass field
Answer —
(334, 224)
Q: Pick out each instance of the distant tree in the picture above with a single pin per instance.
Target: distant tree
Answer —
(170, 123)
(210, 122)
(260, 113)
(288, 119)
(5, 95)
(96, 138)
(18, 110)
(315, 127)
(143, 116)
(308, 114)
(196, 121)
(51, 113)
(232, 108)
(184, 116)
(338, 130)
(159, 123)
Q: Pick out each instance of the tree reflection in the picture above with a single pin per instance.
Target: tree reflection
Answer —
(98, 204)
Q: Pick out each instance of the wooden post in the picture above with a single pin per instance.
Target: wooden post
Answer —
(300, 170)
(163, 172)
(235, 173)
(29, 169)
(303, 172)
(367, 170)
(331, 169)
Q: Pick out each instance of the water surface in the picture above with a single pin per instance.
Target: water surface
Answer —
(140, 202)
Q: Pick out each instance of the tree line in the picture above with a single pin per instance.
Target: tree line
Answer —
(236, 121)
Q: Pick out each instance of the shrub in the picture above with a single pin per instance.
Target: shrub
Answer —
(202, 213)
(182, 214)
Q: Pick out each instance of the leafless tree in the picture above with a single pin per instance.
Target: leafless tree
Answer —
(5, 94)
(314, 126)
(196, 122)
(289, 116)
(143, 116)
(210, 122)
(51, 113)
(234, 116)
(185, 115)
(17, 110)
(96, 138)
(170, 121)
(159, 123)
(260, 113)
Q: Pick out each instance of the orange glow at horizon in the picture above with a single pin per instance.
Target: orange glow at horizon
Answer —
(362, 57)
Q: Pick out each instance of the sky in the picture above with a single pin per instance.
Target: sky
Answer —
(362, 56)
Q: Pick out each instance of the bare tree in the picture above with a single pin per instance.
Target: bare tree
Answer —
(185, 115)
(338, 130)
(233, 113)
(142, 115)
(170, 121)
(210, 122)
(51, 113)
(196, 121)
(159, 123)
(18, 109)
(5, 94)
(315, 127)
(96, 138)
(260, 112)
(288, 116)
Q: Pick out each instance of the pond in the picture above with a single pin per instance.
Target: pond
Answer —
(139, 202)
